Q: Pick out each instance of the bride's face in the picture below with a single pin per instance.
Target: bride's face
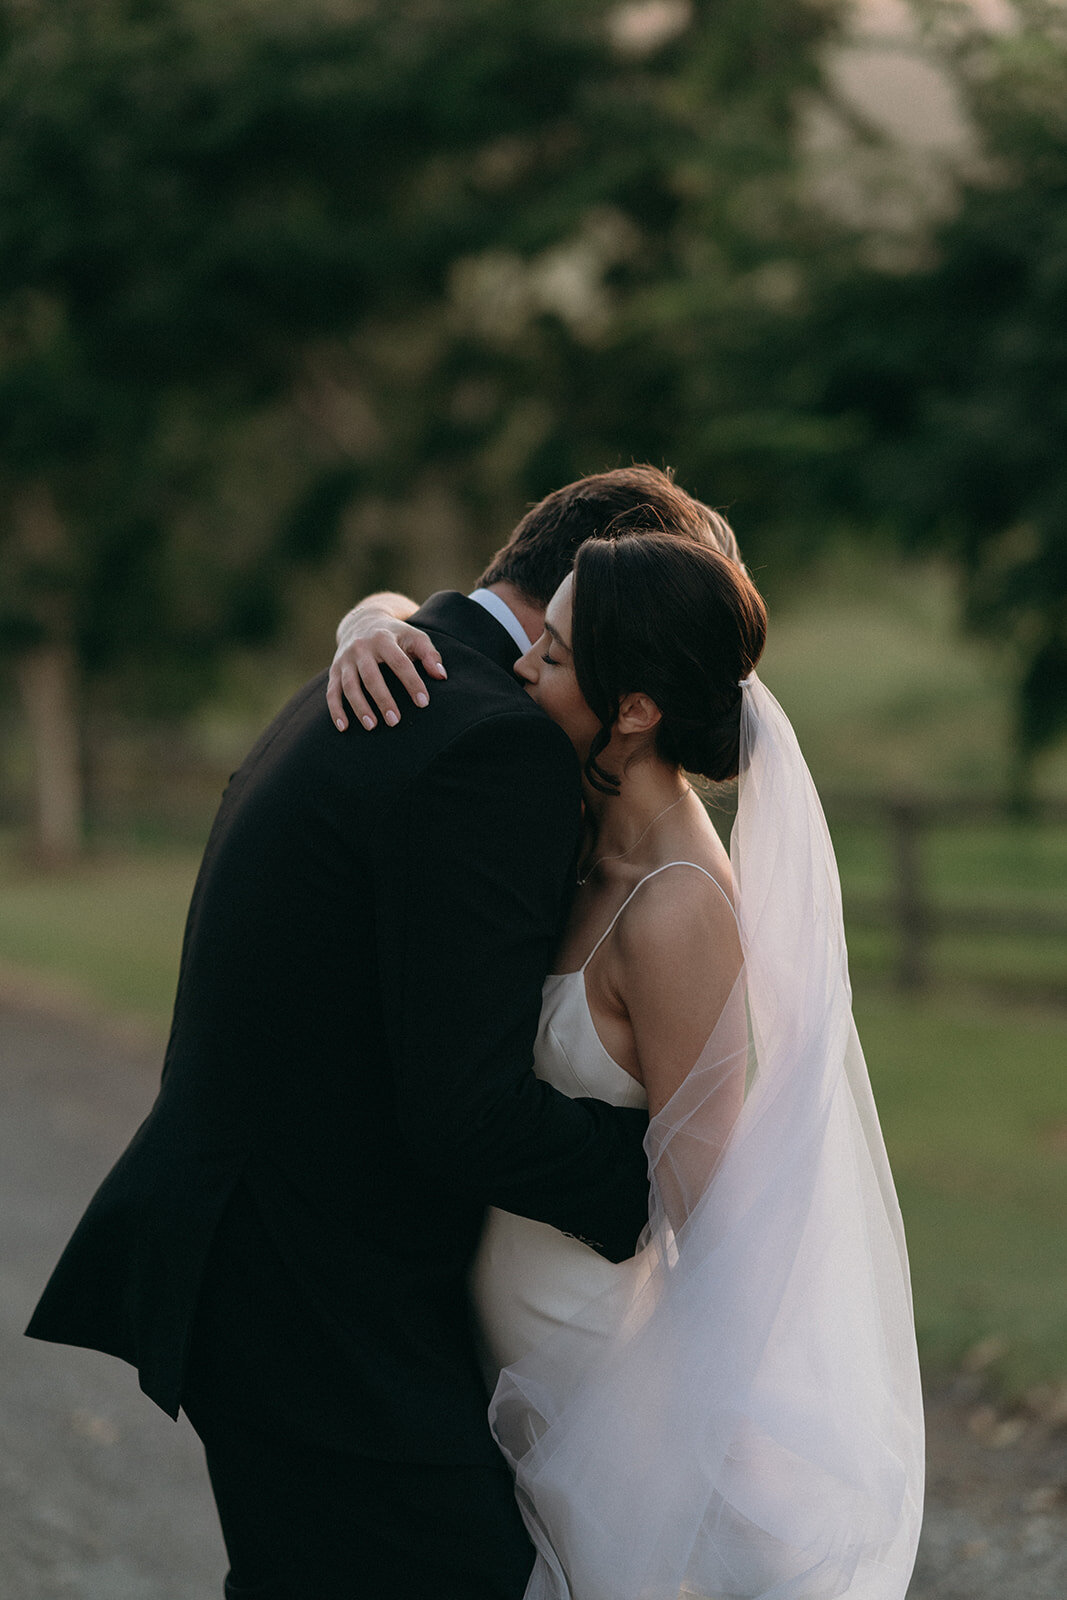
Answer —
(547, 669)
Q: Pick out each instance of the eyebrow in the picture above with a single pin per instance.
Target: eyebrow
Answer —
(557, 636)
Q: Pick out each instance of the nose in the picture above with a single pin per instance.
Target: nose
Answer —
(526, 665)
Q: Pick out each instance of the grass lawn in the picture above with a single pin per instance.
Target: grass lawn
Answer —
(108, 931)
(974, 1111)
(973, 1103)
(885, 692)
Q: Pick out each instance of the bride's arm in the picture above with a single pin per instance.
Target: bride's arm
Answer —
(678, 965)
(373, 634)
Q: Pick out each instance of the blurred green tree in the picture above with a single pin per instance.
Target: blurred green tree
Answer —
(950, 378)
(481, 248)
(649, 247)
(163, 252)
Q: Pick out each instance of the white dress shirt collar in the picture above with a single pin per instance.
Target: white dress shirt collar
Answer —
(504, 615)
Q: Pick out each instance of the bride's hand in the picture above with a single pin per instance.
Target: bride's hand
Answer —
(371, 636)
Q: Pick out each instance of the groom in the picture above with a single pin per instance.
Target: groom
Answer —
(282, 1249)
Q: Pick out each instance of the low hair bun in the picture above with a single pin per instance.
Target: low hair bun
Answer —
(710, 748)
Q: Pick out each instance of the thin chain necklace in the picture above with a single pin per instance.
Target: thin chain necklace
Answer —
(584, 877)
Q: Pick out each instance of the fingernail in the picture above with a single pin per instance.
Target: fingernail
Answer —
(439, 668)
(391, 719)
(422, 699)
(341, 723)
(368, 723)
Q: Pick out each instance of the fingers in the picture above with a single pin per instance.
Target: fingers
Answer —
(421, 647)
(377, 690)
(345, 684)
(352, 687)
(396, 655)
(335, 697)
(356, 676)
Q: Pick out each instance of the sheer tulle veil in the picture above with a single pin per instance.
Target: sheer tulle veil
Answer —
(754, 1427)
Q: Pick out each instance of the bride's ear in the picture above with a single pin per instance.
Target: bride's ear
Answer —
(637, 714)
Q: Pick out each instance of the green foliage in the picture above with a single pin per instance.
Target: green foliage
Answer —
(265, 266)
(527, 246)
(179, 212)
(953, 376)
(651, 241)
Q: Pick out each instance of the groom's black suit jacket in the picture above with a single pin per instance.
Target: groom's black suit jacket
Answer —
(347, 1083)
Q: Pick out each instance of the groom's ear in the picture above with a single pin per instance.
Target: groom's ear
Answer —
(637, 714)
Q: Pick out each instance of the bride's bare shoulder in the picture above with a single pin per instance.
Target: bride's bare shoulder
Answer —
(682, 918)
(677, 962)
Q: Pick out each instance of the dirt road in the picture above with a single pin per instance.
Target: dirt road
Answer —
(104, 1498)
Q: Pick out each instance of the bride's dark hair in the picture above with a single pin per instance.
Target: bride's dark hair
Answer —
(679, 622)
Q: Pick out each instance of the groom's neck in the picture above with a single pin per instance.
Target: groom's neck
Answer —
(531, 618)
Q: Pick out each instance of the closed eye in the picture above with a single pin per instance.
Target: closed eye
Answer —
(550, 663)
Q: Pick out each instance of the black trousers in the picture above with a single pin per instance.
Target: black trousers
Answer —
(303, 1523)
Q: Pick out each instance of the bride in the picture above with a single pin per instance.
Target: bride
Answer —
(734, 1413)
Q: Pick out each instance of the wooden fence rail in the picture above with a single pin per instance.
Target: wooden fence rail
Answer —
(909, 908)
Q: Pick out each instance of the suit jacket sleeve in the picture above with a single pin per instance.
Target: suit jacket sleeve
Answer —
(470, 878)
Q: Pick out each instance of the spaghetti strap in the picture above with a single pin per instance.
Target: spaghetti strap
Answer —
(655, 874)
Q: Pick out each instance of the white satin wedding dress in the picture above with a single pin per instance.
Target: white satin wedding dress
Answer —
(736, 1413)
(529, 1280)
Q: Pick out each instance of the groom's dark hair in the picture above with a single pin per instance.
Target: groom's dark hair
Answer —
(638, 499)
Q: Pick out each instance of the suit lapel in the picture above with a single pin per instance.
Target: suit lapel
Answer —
(464, 619)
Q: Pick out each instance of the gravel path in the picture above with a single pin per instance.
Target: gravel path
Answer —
(104, 1498)
(996, 1500)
